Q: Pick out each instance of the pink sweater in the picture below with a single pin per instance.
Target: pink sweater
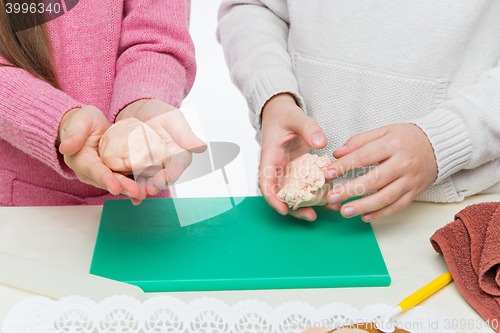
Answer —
(107, 54)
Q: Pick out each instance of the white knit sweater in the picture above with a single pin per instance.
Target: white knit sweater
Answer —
(355, 65)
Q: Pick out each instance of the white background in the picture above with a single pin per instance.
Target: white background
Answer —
(65, 236)
(222, 110)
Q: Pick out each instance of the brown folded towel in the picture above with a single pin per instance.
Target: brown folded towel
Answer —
(471, 247)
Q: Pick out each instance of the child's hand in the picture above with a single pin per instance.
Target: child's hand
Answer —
(287, 133)
(79, 133)
(170, 126)
(407, 168)
(132, 147)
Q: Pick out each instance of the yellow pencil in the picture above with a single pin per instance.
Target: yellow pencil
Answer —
(414, 299)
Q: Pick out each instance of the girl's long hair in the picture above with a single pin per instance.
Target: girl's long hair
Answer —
(27, 48)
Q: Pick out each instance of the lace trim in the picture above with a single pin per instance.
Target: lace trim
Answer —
(204, 315)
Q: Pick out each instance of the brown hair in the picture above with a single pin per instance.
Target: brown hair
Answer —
(25, 43)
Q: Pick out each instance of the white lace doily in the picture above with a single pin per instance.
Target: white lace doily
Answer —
(120, 314)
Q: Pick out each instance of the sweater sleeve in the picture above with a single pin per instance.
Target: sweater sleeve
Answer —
(156, 54)
(30, 113)
(254, 36)
(464, 131)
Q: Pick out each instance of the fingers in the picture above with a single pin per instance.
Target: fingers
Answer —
(75, 132)
(373, 180)
(80, 127)
(335, 208)
(173, 169)
(151, 189)
(141, 182)
(303, 213)
(166, 176)
(130, 187)
(89, 181)
(135, 201)
(161, 178)
(146, 184)
(177, 126)
(396, 206)
(177, 164)
(97, 171)
(88, 164)
(72, 144)
(287, 132)
(308, 129)
(80, 135)
(369, 154)
(359, 140)
(269, 183)
(376, 201)
(268, 188)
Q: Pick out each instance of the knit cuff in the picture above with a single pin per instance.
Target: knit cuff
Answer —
(269, 85)
(150, 77)
(448, 137)
(41, 127)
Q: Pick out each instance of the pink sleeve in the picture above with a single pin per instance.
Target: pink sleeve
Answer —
(156, 54)
(30, 113)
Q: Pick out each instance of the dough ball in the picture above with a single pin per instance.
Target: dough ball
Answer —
(303, 184)
(130, 146)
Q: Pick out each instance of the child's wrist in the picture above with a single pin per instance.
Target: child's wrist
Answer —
(129, 110)
(278, 103)
(62, 125)
(278, 99)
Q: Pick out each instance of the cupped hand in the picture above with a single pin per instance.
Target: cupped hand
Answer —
(287, 133)
(79, 133)
(170, 143)
(407, 167)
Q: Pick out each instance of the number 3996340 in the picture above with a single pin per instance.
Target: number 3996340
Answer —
(16, 8)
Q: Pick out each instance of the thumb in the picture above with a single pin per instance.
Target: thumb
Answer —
(75, 133)
(309, 130)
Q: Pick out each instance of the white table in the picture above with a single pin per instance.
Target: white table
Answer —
(65, 236)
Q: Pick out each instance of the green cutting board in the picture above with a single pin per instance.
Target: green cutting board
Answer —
(249, 246)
